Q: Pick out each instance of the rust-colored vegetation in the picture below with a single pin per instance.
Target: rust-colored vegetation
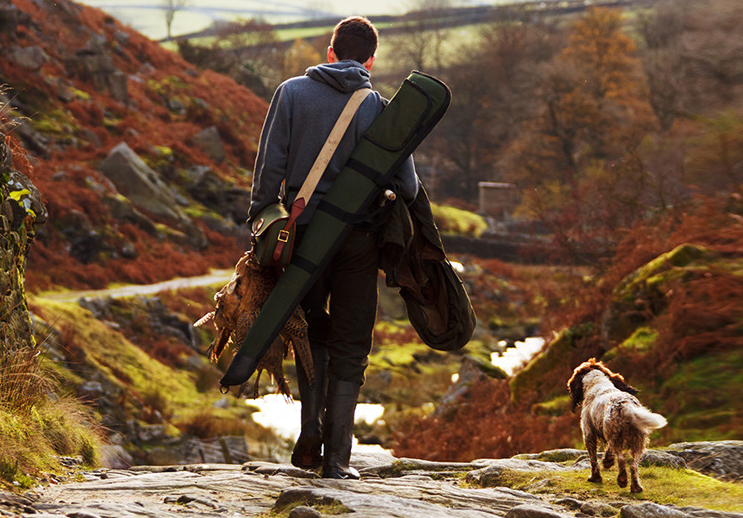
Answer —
(697, 313)
(86, 123)
(483, 424)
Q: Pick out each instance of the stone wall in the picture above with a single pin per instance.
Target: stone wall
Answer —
(20, 212)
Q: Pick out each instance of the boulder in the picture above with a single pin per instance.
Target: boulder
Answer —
(123, 210)
(533, 511)
(32, 58)
(642, 293)
(32, 139)
(720, 459)
(9, 16)
(229, 450)
(138, 182)
(211, 143)
(471, 370)
(94, 64)
(143, 186)
(221, 196)
(303, 511)
(651, 510)
(497, 472)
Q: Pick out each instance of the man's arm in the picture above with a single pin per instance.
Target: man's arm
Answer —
(273, 150)
(407, 180)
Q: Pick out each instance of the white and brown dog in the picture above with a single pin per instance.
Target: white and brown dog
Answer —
(611, 413)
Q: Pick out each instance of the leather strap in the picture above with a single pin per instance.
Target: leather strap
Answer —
(321, 162)
(336, 134)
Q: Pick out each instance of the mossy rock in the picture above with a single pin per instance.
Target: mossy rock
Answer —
(487, 368)
(452, 220)
(639, 343)
(643, 291)
(556, 356)
(555, 407)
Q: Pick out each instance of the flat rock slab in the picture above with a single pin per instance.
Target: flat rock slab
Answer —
(389, 488)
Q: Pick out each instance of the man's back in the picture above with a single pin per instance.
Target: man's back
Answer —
(303, 112)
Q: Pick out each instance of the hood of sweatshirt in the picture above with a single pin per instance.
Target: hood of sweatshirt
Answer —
(345, 76)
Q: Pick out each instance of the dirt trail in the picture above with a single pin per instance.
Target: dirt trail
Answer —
(131, 290)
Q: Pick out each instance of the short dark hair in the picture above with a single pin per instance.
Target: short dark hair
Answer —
(355, 38)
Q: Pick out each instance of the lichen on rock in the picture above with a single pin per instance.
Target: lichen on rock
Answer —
(21, 212)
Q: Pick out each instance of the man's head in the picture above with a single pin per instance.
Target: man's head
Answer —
(354, 38)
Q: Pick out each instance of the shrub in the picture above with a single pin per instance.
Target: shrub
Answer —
(452, 220)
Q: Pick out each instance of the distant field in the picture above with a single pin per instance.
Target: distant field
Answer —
(148, 18)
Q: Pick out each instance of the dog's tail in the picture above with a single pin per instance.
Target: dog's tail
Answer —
(645, 419)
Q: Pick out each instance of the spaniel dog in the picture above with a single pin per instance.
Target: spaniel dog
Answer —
(611, 413)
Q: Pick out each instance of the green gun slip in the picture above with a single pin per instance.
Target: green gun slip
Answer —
(414, 110)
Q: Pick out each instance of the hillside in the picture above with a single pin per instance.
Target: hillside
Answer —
(667, 314)
(169, 200)
(143, 162)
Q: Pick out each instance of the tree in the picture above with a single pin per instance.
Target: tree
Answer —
(494, 87)
(170, 7)
(246, 50)
(577, 159)
(301, 56)
(423, 34)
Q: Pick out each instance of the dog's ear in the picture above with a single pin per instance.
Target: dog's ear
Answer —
(575, 383)
(575, 388)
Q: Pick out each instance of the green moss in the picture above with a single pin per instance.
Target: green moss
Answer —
(641, 341)
(701, 399)
(164, 151)
(651, 273)
(85, 96)
(557, 406)
(58, 121)
(323, 505)
(661, 485)
(119, 360)
(488, 368)
(397, 345)
(198, 211)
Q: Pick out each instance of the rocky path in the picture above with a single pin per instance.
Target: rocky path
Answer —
(389, 487)
(131, 290)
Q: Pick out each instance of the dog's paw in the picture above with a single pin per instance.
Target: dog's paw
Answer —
(596, 479)
(608, 461)
(622, 480)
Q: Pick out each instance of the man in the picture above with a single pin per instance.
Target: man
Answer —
(341, 307)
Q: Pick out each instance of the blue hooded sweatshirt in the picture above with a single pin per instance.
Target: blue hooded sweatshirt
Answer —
(302, 113)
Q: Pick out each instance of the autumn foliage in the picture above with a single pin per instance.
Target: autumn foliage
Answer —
(81, 123)
(484, 424)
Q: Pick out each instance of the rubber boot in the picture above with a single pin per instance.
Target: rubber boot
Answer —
(307, 452)
(338, 437)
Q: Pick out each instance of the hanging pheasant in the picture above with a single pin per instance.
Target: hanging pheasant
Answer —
(238, 305)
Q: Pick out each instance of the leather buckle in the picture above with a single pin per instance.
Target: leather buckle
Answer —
(283, 236)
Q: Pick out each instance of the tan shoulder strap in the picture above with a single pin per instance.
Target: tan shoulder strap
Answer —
(318, 168)
(326, 153)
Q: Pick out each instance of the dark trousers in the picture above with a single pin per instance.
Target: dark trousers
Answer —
(342, 306)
